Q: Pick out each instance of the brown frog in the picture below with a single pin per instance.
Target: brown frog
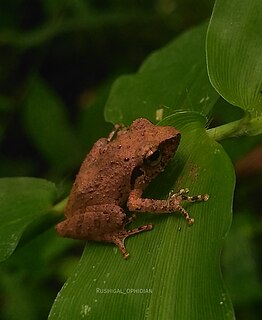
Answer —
(114, 174)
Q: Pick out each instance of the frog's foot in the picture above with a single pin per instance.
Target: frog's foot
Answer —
(119, 239)
(181, 195)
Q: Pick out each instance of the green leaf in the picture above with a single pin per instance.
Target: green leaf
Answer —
(234, 47)
(173, 271)
(22, 201)
(48, 126)
(173, 78)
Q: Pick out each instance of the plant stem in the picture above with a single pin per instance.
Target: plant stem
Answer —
(244, 127)
(60, 206)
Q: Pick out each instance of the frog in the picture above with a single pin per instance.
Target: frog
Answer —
(112, 179)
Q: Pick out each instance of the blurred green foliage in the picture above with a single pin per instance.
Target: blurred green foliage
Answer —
(57, 62)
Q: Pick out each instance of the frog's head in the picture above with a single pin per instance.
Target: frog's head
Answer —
(157, 146)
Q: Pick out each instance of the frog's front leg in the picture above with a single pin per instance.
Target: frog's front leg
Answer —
(173, 203)
(105, 223)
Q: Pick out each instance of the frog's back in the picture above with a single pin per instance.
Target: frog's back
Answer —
(100, 181)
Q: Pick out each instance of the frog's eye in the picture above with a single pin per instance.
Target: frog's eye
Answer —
(153, 158)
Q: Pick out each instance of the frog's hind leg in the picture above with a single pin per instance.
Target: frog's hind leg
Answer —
(119, 238)
(105, 223)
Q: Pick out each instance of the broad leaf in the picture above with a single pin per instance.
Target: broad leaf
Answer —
(173, 78)
(22, 201)
(173, 271)
(234, 52)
